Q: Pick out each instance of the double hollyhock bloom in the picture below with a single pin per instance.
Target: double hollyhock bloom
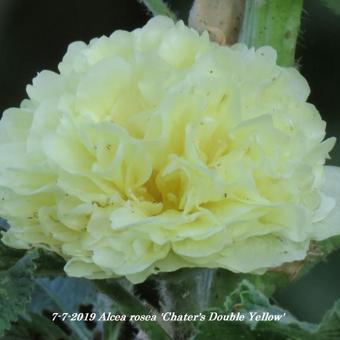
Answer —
(157, 149)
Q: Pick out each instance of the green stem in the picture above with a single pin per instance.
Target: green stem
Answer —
(185, 291)
(130, 305)
(158, 7)
(275, 23)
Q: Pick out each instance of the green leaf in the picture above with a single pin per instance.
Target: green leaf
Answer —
(49, 264)
(328, 246)
(158, 7)
(9, 256)
(246, 299)
(16, 285)
(222, 284)
(223, 330)
(112, 330)
(129, 304)
(333, 5)
(225, 282)
(329, 328)
(268, 282)
(64, 295)
(35, 327)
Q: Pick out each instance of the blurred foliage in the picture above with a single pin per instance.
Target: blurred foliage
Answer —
(333, 5)
(16, 286)
(245, 299)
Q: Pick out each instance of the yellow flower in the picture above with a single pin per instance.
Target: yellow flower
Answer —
(158, 149)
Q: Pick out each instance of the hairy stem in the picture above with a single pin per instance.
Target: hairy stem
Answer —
(185, 291)
(275, 23)
(130, 305)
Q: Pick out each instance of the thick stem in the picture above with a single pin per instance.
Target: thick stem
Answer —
(130, 305)
(275, 23)
(185, 291)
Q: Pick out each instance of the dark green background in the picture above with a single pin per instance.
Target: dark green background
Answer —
(34, 35)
